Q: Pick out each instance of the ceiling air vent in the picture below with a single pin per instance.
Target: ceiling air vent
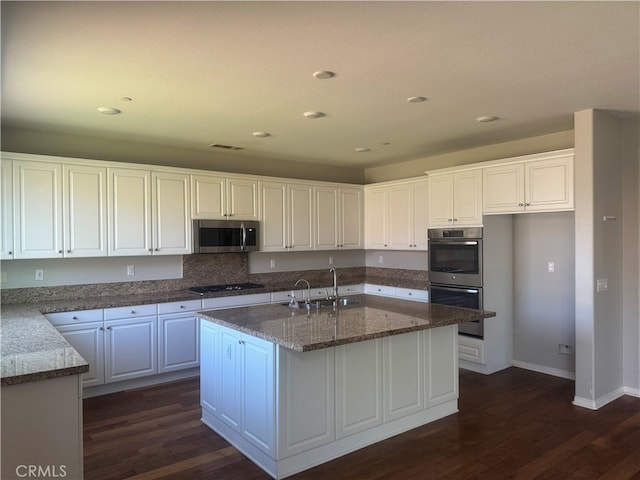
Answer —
(226, 147)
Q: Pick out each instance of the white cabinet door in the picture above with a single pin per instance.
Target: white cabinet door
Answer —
(467, 200)
(210, 366)
(351, 219)
(171, 216)
(339, 218)
(6, 209)
(549, 185)
(402, 365)
(440, 200)
(420, 214)
(217, 197)
(441, 364)
(130, 348)
(400, 217)
(258, 387)
(208, 197)
(307, 400)
(273, 202)
(37, 189)
(85, 211)
(503, 189)
(178, 342)
(455, 198)
(300, 216)
(242, 195)
(88, 340)
(230, 379)
(327, 231)
(376, 218)
(287, 216)
(358, 387)
(130, 212)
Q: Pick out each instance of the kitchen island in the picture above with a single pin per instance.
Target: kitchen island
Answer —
(293, 388)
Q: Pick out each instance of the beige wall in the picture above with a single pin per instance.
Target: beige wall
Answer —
(415, 168)
(103, 148)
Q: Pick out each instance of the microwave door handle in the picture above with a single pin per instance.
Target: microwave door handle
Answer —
(244, 237)
(454, 289)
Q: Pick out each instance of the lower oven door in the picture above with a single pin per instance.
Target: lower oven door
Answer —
(460, 296)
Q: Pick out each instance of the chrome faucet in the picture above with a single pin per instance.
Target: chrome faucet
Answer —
(307, 301)
(335, 285)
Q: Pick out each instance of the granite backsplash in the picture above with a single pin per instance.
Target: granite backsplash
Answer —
(215, 270)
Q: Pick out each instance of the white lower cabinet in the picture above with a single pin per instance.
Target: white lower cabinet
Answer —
(88, 340)
(131, 345)
(288, 411)
(178, 335)
(358, 387)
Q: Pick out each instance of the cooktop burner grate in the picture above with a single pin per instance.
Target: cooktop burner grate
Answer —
(231, 287)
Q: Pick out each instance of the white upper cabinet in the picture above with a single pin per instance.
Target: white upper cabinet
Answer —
(6, 209)
(339, 218)
(287, 216)
(171, 226)
(396, 216)
(130, 212)
(533, 184)
(148, 213)
(85, 211)
(220, 197)
(455, 198)
(37, 188)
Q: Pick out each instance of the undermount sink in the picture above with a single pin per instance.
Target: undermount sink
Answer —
(315, 304)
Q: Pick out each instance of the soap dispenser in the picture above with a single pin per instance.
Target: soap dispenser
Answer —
(293, 303)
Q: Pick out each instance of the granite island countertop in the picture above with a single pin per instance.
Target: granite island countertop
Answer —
(371, 317)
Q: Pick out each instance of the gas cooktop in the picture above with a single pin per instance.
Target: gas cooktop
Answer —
(231, 287)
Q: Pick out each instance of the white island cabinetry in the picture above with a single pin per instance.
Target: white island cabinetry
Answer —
(259, 395)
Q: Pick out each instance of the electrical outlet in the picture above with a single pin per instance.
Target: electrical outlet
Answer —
(3, 277)
(565, 349)
(273, 263)
(380, 259)
(551, 267)
(39, 275)
(131, 270)
(602, 284)
(330, 260)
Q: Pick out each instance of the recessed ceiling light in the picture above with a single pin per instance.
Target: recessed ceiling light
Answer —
(323, 74)
(486, 118)
(261, 134)
(109, 110)
(362, 149)
(313, 114)
(416, 99)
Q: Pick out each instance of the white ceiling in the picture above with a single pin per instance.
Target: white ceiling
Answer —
(214, 72)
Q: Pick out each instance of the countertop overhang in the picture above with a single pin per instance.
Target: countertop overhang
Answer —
(372, 317)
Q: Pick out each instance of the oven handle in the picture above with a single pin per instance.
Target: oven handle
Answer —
(468, 242)
(455, 289)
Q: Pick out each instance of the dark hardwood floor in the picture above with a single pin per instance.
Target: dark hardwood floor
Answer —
(512, 424)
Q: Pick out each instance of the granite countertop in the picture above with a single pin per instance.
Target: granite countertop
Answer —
(372, 317)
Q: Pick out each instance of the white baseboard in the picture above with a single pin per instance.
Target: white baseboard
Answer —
(599, 402)
(556, 372)
(151, 380)
(634, 392)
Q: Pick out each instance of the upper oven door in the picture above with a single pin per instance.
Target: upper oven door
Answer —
(455, 261)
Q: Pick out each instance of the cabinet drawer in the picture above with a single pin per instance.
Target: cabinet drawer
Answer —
(412, 294)
(281, 297)
(471, 349)
(350, 289)
(236, 301)
(130, 311)
(178, 307)
(79, 316)
(380, 290)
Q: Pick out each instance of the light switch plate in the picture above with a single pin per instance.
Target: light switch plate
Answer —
(602, 285)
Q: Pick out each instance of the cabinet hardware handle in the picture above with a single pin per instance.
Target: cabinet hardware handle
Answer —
(59, 251)
(157, 249)
(133, 312)
(182, 306)
(521, 204)
(109, 328)
(68, 251)
(10, 253)
(101, 329)
(74, 317)
(150, 250)
(527, 204)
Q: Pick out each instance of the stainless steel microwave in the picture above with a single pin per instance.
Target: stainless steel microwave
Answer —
(224, 236)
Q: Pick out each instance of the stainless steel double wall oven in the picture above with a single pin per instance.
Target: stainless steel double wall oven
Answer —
(455, 271)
